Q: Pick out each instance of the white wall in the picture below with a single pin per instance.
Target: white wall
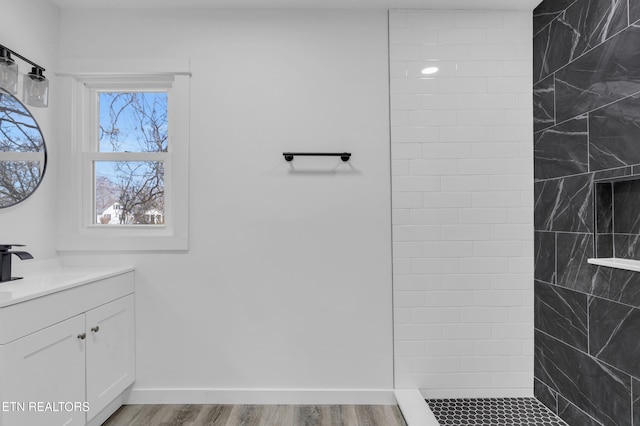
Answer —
(462, 202)
(31, 28)
(287, 283)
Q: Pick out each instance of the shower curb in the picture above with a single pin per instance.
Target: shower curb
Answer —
(414, 408)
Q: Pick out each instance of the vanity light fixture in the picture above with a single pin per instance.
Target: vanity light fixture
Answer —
(35, 88)
(35, 91)
(8, 71)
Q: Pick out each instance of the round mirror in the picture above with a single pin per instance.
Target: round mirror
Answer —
(23, 154)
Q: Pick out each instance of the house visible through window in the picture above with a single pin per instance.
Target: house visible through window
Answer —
(131, 192)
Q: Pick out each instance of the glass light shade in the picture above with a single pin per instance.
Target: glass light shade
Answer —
(35, 91)
(9, 75)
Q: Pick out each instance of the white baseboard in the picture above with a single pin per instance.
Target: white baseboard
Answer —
(414, 408)
(261, 396)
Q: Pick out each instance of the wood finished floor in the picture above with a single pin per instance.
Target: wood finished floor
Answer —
(257, 415)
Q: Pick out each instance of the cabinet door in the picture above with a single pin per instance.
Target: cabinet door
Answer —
(44, 371)
(110, 352)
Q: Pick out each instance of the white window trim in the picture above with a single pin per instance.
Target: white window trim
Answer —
(76, 228)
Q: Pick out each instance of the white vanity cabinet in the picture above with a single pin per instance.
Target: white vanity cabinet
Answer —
(67, 356)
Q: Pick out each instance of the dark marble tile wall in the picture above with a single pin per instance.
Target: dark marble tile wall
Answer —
(626, 207)
(545, 256)
(604, 207)
(603, 210)
(597, 389)
(587, 129)
(562, 314)
(634, 10)
(544, 101)
(589, 83)
(562, 150)
(546, 395)
(636, 401)
(613, 134)
(581, 27)
(626, 246)
(573, 415)
(572, 269)
(615, 329)
(616, 285)
(547, 12)
(564, 204)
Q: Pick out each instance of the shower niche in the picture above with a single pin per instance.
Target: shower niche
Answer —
(617, 223)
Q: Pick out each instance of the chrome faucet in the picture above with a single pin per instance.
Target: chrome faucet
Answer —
(5, 260)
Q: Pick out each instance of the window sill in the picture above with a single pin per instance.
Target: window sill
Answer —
(614, 262)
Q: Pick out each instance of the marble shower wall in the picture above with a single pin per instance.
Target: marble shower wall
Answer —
(587, 128)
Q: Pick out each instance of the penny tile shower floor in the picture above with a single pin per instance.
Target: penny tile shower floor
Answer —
(493, 412)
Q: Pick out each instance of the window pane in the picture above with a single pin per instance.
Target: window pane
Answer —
(133, 122)
(129, 192)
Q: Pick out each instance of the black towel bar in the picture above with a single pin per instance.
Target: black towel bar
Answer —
(344, 156)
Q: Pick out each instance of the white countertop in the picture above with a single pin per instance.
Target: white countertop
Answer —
(50, 278)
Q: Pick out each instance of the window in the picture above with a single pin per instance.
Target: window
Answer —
(131, 124)
(130, 144)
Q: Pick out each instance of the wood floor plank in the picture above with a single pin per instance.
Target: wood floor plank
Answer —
(396, 414)
(368, 415)
(281, 415)
(365, 415)
(163, 413)
(144, 416)
(245, 415)
(213, 415)
(311, 415)
(378, 415)
(124, 415)
(306, 415)
(183, 414)
(343, 415)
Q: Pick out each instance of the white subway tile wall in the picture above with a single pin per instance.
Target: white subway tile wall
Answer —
(462, 180)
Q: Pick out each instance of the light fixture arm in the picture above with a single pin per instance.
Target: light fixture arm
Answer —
(17, 55)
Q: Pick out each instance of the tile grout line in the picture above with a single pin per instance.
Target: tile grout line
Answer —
(591, 173)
